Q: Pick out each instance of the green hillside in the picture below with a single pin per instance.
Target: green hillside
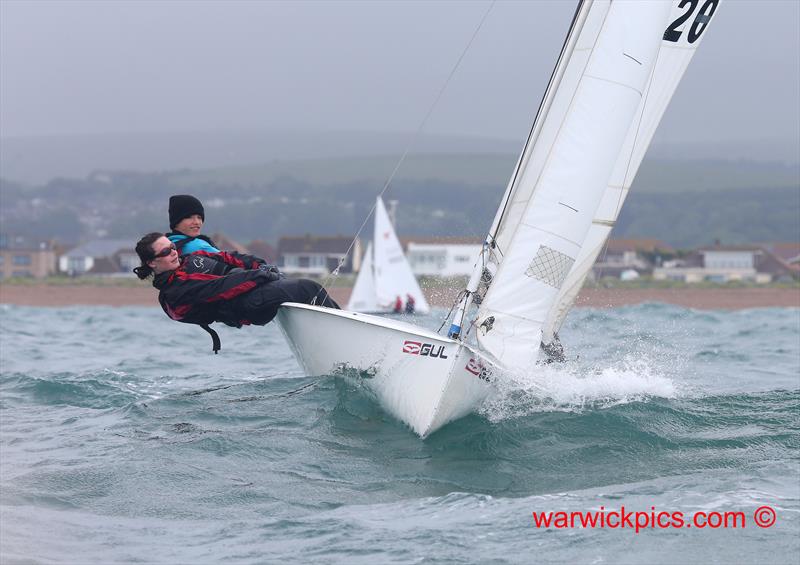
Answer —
(471, 169)
(487, 169)
(683, 203)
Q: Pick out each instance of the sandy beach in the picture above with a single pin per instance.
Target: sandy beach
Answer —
(700, 298)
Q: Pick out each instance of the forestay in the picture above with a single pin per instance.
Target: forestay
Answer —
(688, 22)
(561, 178)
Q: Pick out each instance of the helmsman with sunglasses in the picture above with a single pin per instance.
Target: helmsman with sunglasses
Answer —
(233, 288)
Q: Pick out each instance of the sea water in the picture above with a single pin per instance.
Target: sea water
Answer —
(123, 439)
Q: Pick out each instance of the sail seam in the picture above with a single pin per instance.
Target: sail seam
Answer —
(622, 84)
(548, 232)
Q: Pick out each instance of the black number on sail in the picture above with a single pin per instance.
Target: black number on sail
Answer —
(698, 25)
(672, 33)
(701, 20)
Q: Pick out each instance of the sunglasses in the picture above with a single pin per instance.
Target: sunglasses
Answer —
(165, 252)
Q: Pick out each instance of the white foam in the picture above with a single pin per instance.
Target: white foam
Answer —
(569, 387)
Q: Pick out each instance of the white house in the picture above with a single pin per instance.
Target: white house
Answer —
(628, 255)
(724, 264)
(101, 256)
(442, 257)
(317, 255)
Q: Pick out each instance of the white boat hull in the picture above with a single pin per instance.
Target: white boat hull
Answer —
(419, 377)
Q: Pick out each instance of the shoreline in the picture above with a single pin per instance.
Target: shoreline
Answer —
(43, 295)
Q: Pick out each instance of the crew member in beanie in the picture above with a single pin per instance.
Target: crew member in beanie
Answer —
(186, 217)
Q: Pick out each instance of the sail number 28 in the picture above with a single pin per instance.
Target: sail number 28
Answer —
(698, 25)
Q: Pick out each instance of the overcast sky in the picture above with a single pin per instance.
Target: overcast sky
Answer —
(70, 67)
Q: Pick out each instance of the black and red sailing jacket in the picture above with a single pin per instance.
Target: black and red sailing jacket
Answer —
(204, 288)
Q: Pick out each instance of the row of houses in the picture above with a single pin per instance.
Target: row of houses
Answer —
(760, 263)
(436, 257)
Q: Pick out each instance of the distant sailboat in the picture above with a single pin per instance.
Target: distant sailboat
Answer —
(385, 275)
(618, 69)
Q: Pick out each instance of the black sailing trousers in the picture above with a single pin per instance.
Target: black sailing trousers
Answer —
(260, 305)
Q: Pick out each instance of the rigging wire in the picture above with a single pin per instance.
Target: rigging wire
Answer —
(335, 273)
(459, 296)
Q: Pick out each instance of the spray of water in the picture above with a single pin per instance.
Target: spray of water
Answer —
(574, 387)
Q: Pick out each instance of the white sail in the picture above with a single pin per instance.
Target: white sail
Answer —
(678, 46)
(577, 138)
(386, 274)
(363, 297)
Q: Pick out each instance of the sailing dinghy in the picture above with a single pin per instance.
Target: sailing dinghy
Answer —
(618, 68)
(385, 274)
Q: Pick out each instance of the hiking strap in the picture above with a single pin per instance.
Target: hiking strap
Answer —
(217, 345)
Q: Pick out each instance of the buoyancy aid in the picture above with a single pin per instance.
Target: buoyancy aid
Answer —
(188, 244)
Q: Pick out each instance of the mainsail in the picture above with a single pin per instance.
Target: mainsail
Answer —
(583, 124)
(385, 274)
(677, 49)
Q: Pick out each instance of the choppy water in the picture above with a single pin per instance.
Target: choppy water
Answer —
(123, 439)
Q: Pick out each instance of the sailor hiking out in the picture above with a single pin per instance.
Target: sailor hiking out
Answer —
(228, 287)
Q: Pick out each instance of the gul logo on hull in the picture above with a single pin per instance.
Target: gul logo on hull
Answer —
(475, 367)
(424, 349)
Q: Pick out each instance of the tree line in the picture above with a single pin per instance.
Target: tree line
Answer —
(125, 205)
